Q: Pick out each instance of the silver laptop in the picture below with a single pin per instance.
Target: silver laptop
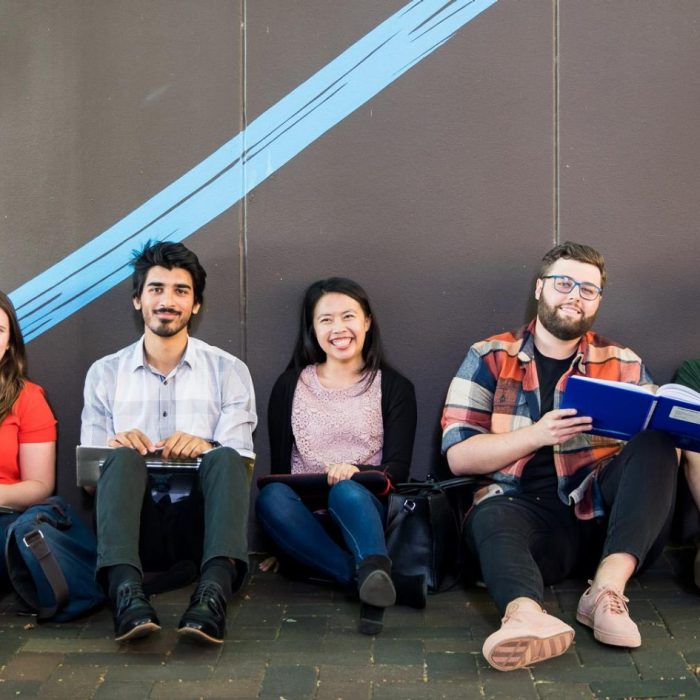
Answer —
(90, 459)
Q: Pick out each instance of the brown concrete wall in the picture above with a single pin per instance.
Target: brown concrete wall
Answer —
(536, 122)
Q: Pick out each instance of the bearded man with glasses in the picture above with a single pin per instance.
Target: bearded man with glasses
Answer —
(556, 501)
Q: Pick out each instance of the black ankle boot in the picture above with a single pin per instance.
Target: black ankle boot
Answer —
(374, 585)
(371, 619)
(411, 590)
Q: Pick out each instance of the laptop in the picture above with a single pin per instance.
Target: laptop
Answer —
(89, 460)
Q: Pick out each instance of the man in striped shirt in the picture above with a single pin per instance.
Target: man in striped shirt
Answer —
(556, 500)
(178, 397)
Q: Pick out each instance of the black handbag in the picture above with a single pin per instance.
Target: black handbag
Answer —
(423, 529)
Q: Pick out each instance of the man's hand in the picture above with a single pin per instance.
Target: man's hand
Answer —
(134, 439)
(559, 425)
(340, 472)
(183, 446)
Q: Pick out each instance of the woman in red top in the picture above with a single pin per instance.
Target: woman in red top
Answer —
(27, 429)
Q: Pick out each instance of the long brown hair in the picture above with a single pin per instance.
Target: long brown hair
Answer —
(13, 365)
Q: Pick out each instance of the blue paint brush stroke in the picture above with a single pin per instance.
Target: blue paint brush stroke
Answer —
(226, 176)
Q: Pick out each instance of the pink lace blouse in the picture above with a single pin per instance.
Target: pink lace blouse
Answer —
(333, 426)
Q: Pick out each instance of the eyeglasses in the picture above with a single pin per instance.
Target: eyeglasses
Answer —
(565, 285)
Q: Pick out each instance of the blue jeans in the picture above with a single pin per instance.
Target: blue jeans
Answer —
(300, 534)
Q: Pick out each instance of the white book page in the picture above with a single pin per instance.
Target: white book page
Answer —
(679, 393)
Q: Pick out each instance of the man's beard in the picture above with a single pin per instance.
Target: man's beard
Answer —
(169, 328)
(562, 327)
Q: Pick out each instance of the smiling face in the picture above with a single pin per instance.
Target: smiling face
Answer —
(340, 326)
(4, 333)
(167, 301)
(567, 316)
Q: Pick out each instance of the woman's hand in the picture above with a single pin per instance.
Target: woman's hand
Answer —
(269, 564)
(340, 472)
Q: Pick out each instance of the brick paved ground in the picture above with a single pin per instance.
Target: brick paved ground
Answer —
(294, 640)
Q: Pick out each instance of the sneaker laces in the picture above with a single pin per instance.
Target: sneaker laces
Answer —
(128, 592)
(612, 601)
(209, 592)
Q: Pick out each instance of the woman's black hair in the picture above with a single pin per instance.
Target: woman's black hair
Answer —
(307, 351)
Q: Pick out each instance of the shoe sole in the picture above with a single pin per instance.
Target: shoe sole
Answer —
(138, 632)
(198, 635)
(614, 640)
(378, 590)
(517, 652)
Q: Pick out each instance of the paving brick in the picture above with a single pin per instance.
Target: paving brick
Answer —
(454, 645)
(657, 661)
(398, 651)
(258, 615)
(347, 690)
(667, 688)
(302, 627)
(71, 682)
(253, 633)
(548, 671)
(426, 691)
(508, 686)
(20, 689)
(31, 667)
(159, 671)
(51, 645)
(419, 632)
(342, 673)
(249, 669)
(443, 666)
(290, 682)
(395, 673)
(121, 690)
(560, 666)
(592, 653)
(692, 656)
(191, 690)
(552, 690)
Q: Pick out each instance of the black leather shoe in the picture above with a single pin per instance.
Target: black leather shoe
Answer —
(205, 618)
(134, 616)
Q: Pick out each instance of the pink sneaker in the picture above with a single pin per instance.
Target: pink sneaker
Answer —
(526, 636)
(605, 611)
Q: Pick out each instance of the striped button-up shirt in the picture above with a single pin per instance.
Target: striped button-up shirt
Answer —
(209, 394)
(496, 390)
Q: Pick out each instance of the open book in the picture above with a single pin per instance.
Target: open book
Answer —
(622, 410)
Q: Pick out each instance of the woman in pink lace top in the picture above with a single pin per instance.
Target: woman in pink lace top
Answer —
(338, 410)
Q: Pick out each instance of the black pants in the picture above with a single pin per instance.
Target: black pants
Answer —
(527, 541)
(211, 522)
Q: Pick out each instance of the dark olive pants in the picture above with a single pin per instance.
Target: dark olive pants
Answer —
(211, 522)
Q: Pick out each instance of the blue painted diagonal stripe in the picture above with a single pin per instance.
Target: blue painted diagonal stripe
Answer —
(227, 175)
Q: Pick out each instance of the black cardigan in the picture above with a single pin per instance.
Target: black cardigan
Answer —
(398, 417)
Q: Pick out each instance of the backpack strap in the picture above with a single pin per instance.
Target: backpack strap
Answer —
(37, 545)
